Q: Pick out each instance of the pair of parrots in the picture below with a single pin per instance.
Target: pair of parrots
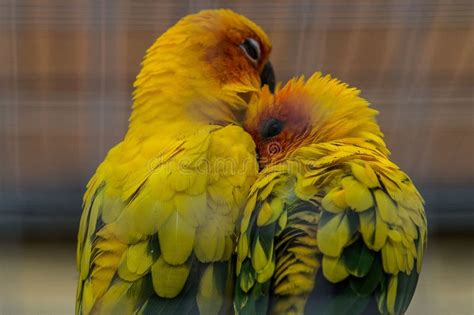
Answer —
(230, 195)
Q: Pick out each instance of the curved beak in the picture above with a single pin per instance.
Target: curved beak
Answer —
(267, 76)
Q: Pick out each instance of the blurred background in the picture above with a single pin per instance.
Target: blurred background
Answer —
(66, 73)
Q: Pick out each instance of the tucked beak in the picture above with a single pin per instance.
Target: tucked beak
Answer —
(267, 76)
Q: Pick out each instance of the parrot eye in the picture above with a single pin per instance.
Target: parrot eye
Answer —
(251, 48)
(271, 128)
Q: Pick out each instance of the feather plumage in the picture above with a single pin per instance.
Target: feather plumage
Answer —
(353, 227)
(163, 194)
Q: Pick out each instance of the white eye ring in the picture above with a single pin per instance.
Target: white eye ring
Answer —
(251, 49)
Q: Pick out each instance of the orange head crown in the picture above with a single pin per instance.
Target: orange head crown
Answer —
(303, 113)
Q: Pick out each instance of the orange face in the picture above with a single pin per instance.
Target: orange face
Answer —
(235, 48)
(278, 124)
(236, 54)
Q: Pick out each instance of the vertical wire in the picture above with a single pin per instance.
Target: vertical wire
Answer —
(403, 97)
(82, 41)
(102, 74)
(42, 62)
(353, 43)
(426, 128)
(303, 24)
(323, 18)
(14, 110)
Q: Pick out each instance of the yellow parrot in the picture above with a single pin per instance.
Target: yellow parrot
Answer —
(331, 225)
(159, 216)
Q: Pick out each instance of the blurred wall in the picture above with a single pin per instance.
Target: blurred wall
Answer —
(67, 70)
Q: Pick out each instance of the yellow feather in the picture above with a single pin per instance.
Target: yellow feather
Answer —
(367, 227)
(329, 202)
(169, 280)
(339, 199)
(88, 298)
(266, 273)
(111, 210)
(334, 235)
(243, 246)
(277, 206)
(420, 252)
(282, 221)
(380, 233)
(259, 258)
(306, 191)
(107, 259)
(410, 262)
(389, 258)
(365, 174)
(303, 250)
(192, 208)
(206, 243)
(334, 269)
(401, 257)
(295, 269)
(85, 259)
(395, 236)
(408, 226)
(87, 248)
(264, 215)
(176, 238)
(392, 294)
(283, 263)
(124, 273)
(416, 217)
(409, 244)
(159, 187)
(393, 189)
(116, 300)
(139, 258)
(199, 185)
(221, 193)
(297, 284)
(180, 180)
(208, 298)
(358, 196)
(304, 283)
(310, 261)
(164, 211)
(386, 207)
(142, 214)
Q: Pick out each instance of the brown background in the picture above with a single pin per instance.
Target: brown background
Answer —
(67, 67)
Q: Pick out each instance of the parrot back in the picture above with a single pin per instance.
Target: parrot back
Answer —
(158, 227)
(335, 229)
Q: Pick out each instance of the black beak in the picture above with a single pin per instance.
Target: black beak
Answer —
(267, 76)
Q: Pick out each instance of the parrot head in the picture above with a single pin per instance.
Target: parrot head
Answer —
(204, 69)
(302, 113)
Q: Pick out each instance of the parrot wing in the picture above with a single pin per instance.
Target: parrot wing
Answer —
(157, 234)
(343, 210)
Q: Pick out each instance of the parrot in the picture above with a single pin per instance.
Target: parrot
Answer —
(160, 214)
(331, 224)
